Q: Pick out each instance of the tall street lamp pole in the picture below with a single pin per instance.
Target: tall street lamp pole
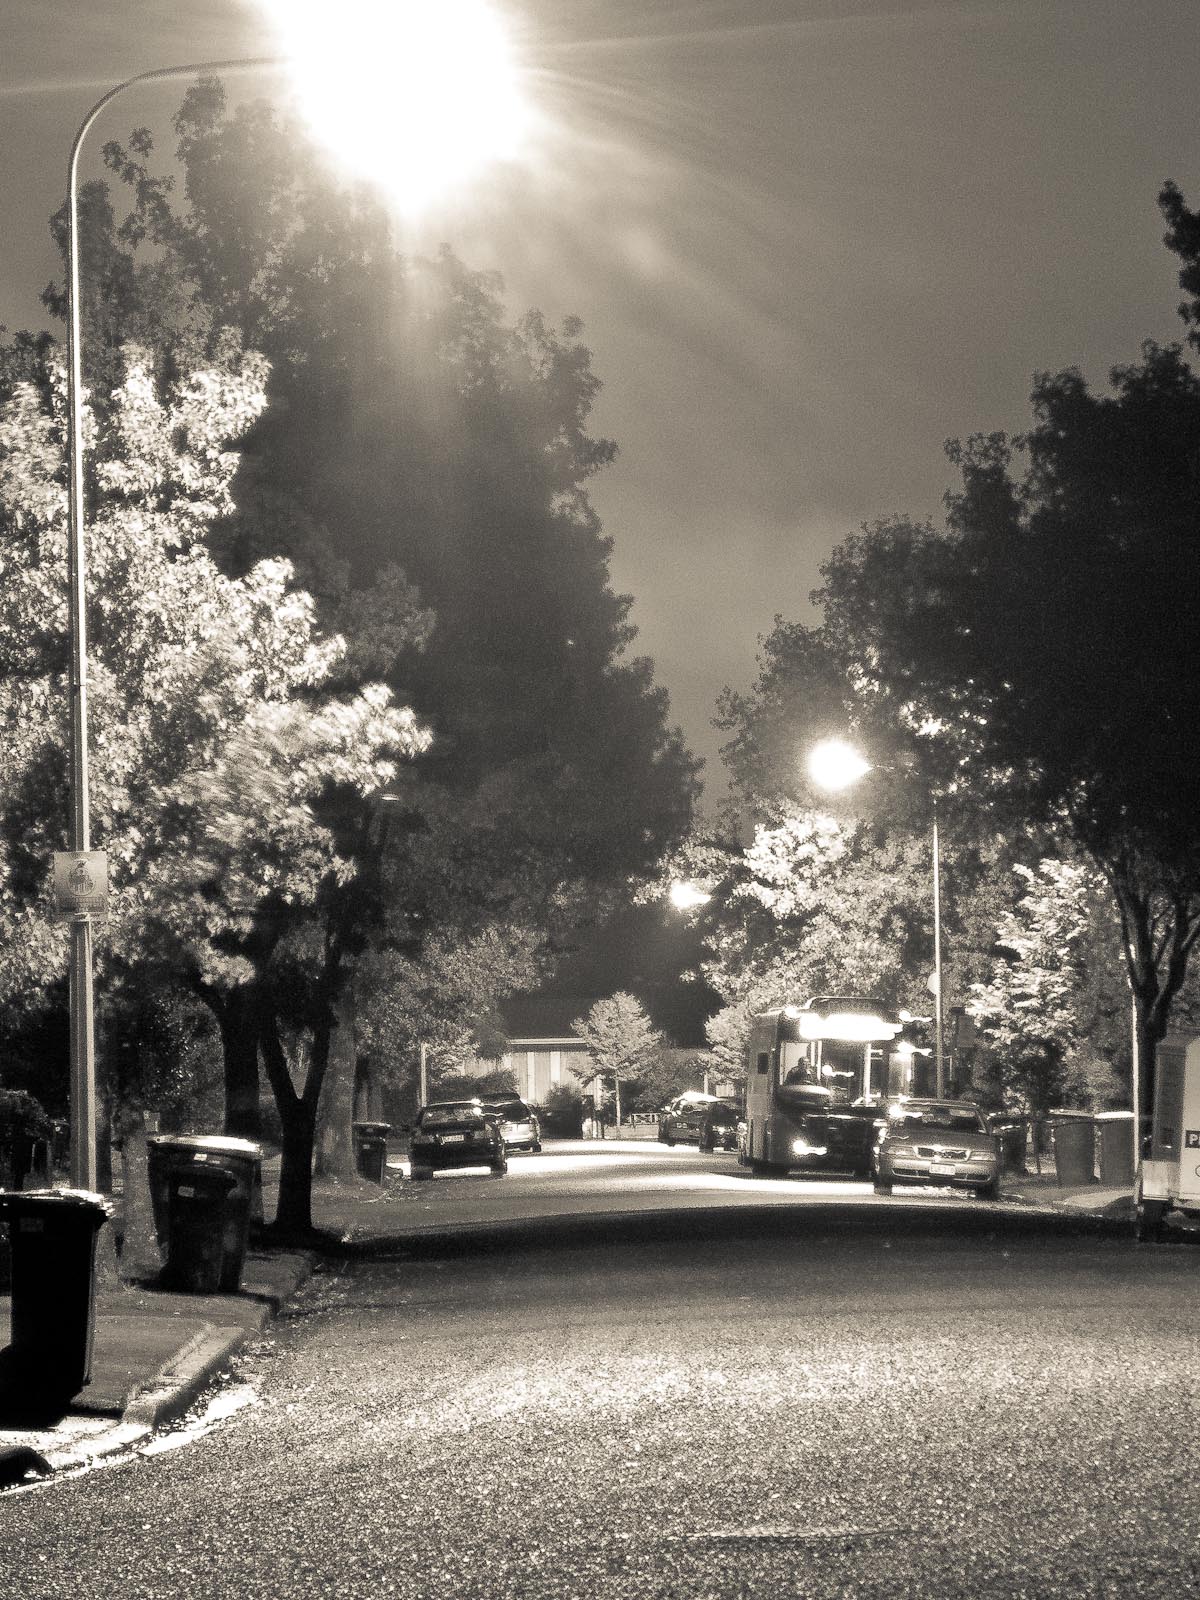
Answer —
(939, 1047)
(82, 1012)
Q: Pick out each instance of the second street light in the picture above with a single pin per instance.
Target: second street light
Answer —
(834, 764)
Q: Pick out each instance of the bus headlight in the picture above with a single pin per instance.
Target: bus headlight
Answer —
(801, 1147)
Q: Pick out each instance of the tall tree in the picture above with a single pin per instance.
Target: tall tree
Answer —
(621, 1041)
(411, 416)
(226, 777)
(1037, 649)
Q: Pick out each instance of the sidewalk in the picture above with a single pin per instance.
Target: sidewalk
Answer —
(153, 1353)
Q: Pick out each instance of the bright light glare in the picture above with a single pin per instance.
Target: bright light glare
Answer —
(834, 764)
(687, 896)
(413, 95)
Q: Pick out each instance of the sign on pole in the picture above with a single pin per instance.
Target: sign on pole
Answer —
(80, 884)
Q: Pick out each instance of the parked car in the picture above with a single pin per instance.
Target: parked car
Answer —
(456, 1133)
(519, 1123)
(682, 1122)
(943, 1142)
(719, 1126)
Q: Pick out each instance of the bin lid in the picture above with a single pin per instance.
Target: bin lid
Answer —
(1114, 1116)
(84, 1199)
(372, 1127)
(218, 1143)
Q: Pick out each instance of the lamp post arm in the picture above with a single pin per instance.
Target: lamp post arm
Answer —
(82, 1019)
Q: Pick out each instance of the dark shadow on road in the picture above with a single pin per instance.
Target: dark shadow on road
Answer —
(810, 1221)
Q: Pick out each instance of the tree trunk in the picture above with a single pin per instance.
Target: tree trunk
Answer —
(235, 1014)
(617, 1094)
(335, 1136)
(298, 1120)
(293, 1214)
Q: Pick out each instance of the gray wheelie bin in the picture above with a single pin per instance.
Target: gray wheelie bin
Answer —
(1075, 1151)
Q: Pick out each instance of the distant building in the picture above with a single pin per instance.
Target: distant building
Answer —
(541, 1047)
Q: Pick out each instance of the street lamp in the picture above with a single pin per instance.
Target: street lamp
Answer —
(834, 764)
(82, 1015)
(415, 41)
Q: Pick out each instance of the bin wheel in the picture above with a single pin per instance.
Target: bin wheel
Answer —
(419, 1174)
(499, 1168)
(1148, 1223)
(881, 1186)
(535, 1149)
(990, 1191)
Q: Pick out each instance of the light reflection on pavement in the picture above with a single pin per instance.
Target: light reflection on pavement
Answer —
(579, 1178)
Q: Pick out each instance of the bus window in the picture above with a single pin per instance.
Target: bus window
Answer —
(795, 1064)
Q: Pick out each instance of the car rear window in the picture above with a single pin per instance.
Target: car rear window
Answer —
(438, 1116)
(512, 1110)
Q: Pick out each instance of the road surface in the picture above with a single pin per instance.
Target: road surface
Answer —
(846, 1396)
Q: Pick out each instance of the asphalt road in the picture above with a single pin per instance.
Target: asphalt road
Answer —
(843, 1396)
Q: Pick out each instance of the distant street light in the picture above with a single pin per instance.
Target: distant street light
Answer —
(834, 764)
(686, 896)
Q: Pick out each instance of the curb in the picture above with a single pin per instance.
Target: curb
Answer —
(172, 1391)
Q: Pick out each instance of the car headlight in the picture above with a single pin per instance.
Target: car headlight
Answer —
(983, 1155)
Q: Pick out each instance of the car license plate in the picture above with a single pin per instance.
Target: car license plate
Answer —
(454, 1138)
(942, 1169)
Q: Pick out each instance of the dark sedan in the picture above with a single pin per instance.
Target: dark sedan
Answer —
(456, 1133)
(719, 1126)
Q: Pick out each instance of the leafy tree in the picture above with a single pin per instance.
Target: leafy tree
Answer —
(447, 448)
(621, 1042)
(1035, 650)
(408, 414)
(222, 772)
(1051, 1008)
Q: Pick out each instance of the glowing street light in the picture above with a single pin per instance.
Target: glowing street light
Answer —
(686, 896)
(834, 764)
(416, 96)
(447, 92)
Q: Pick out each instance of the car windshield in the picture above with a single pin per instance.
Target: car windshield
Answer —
(438, 1116)
(512, 1110)
(961, 1119)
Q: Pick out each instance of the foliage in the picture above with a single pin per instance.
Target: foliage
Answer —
(23, 1116)
(465, 1085)
(562, 1111)
(1033, 649)
(621, 1042)
(1051, 1009)
(231, 789)
(420, 440)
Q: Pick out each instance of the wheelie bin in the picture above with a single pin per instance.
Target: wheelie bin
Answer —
(197, 1203)
(1116, 1148)
(52, 1239)
(370, 1150)
(1075, 1151)
(240, 1159)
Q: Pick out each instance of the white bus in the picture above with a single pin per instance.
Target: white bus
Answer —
(816, 1079)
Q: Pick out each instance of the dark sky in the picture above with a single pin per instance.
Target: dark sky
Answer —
(809, 240)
